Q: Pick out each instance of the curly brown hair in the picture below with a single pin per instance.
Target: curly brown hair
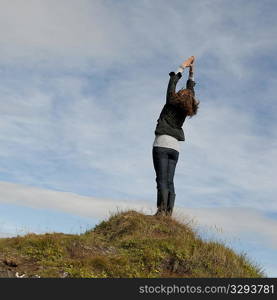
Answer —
(186, 101)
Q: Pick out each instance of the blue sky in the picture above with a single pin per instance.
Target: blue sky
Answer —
(82, 85)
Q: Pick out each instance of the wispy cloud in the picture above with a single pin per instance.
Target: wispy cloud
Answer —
(248, 220)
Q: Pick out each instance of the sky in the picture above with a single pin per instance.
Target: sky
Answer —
(82, 84)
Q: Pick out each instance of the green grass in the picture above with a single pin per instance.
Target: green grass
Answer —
(128, 244)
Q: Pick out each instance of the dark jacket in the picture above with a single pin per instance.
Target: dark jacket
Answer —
(171, 118)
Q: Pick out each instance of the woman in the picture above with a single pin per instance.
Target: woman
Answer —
(169, 133)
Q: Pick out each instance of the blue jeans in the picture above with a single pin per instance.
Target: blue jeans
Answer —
(165, 160)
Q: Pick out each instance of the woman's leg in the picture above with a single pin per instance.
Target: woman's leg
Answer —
(172, 162)
(160, 161)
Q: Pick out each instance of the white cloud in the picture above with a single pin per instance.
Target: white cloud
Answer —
(41, 31)
(222, 151)
(80, 34)
(62, 201)
(232, 220)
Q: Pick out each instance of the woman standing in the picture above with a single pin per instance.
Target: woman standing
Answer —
(169, 133)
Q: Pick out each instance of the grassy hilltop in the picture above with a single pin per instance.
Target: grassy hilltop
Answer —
(128, 244)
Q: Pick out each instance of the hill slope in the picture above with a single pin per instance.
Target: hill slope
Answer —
(129, 244)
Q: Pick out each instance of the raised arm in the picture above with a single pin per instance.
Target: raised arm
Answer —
(171, 88)
(190, 82)
(174, 77)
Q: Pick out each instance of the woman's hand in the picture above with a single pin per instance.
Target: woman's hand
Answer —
(188, 62)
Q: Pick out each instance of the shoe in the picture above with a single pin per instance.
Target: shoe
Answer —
(169, 212)
(170, 203)
(160, 212)
(162, 199)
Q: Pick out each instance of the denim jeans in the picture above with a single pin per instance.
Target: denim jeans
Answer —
(165, 160)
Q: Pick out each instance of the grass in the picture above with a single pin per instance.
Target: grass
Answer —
(129, 244)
